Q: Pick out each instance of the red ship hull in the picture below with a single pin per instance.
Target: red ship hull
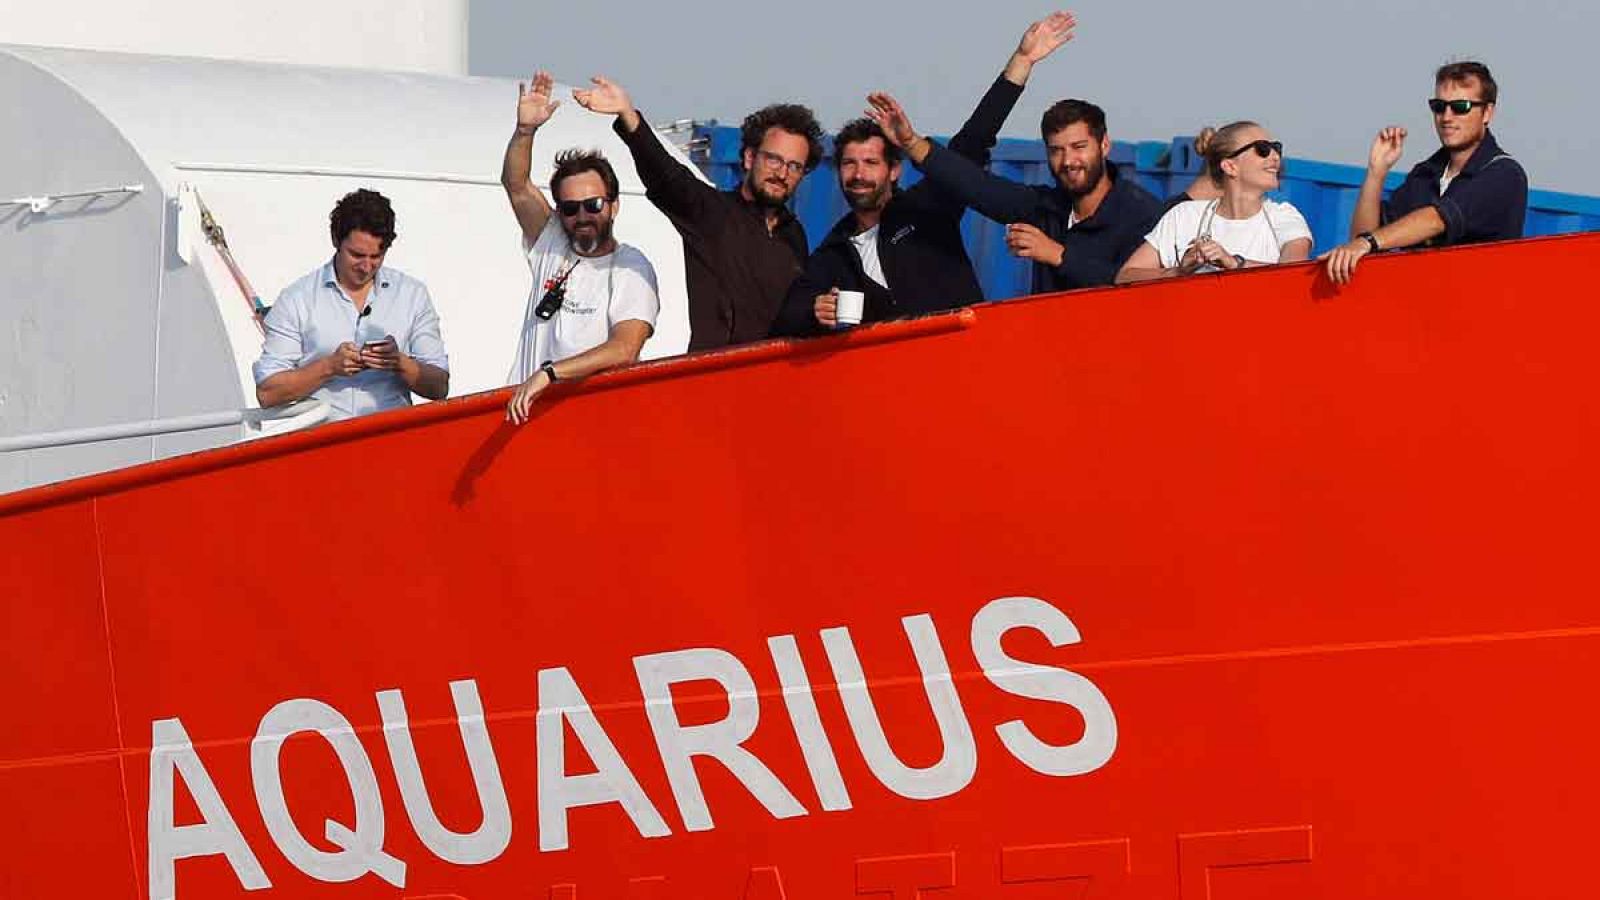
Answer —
(1237, 587)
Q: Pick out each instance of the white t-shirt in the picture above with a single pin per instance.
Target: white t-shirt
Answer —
(866, 244)
(1259, 238)
(601, 291)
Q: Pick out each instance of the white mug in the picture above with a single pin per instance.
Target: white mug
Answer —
(851, 305)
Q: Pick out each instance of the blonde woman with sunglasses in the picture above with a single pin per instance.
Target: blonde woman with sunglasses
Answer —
(1239, 229)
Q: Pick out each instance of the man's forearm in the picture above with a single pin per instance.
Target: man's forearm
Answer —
(1369, 204)
(1131, 275)
(518, 164)
(295, 384)
(1411, 229)
(630, 120)
(614, 352)
(1017, 69)
(978, 133)
(527, 203)
(671, 185)
(424, 379)
(998, 198)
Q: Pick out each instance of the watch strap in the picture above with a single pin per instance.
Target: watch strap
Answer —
(1371, 241)
(549, 369)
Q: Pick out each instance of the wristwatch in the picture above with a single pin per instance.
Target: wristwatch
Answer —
(1239, 259)
(549, 369)
(1371, 241)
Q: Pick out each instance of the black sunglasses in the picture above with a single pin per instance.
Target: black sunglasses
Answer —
(1459, 107)
(1263, 149)
(591, 205)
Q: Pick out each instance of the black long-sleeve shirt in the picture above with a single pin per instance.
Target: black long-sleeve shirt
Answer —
(737, 271)
(1095, 247)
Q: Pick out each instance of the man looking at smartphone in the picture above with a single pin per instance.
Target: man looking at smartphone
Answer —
(594, 300)
(1467, 192)
(337, 333)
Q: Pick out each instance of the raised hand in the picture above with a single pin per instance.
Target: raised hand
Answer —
(1044, 36)
(1386, 148)
(606, 97)
(534, 106)
(887, 112)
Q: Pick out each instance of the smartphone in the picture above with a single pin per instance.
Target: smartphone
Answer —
(369, 345)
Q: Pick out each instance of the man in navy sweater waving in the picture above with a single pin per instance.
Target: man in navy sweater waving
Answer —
(1079, 231)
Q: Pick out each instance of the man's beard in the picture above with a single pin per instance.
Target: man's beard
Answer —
(1093, 174)
(877, 199)
(759, 190)
(588, 242)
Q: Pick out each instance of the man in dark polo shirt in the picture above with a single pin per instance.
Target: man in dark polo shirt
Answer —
(1079, 231)
(1468, 192)
(741, 248)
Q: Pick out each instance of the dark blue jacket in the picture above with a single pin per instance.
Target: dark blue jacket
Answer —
(919, 242)
(1095, 248)
(1486, 201)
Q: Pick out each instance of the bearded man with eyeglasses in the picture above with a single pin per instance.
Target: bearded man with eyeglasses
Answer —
(1467, 192)
(594, 301)
(742, 247)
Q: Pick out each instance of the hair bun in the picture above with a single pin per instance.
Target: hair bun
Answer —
(1202, 141)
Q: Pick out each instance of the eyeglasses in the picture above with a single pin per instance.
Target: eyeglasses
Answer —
(591, 205)
(1459, 107)
(772, 160)
(1262, 148)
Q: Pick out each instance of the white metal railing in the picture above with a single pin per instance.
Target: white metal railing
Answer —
(44, 201)
(334, 171)
(257, 423)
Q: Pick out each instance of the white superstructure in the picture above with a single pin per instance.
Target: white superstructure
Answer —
(114, 308)
(405, 35)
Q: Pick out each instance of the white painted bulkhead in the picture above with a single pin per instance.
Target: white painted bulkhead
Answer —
(115, 308)
(403, 35)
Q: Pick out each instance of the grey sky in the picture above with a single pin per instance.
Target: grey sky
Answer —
(1323, 76)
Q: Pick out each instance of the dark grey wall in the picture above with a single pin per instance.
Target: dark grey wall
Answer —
(1323, 76)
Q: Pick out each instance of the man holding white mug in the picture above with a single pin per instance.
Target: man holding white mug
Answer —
(896, 253)
(902, 250)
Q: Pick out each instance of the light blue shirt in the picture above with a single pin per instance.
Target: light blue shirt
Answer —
(313, 316)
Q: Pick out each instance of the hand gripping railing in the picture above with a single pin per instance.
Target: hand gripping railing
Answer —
(257, 422)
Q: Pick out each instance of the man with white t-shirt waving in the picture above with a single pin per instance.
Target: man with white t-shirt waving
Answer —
(594, 301)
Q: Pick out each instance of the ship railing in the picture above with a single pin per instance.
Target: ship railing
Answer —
(256, 423)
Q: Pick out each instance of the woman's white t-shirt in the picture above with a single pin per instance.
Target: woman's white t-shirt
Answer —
(1259, 238)
(601, 291)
